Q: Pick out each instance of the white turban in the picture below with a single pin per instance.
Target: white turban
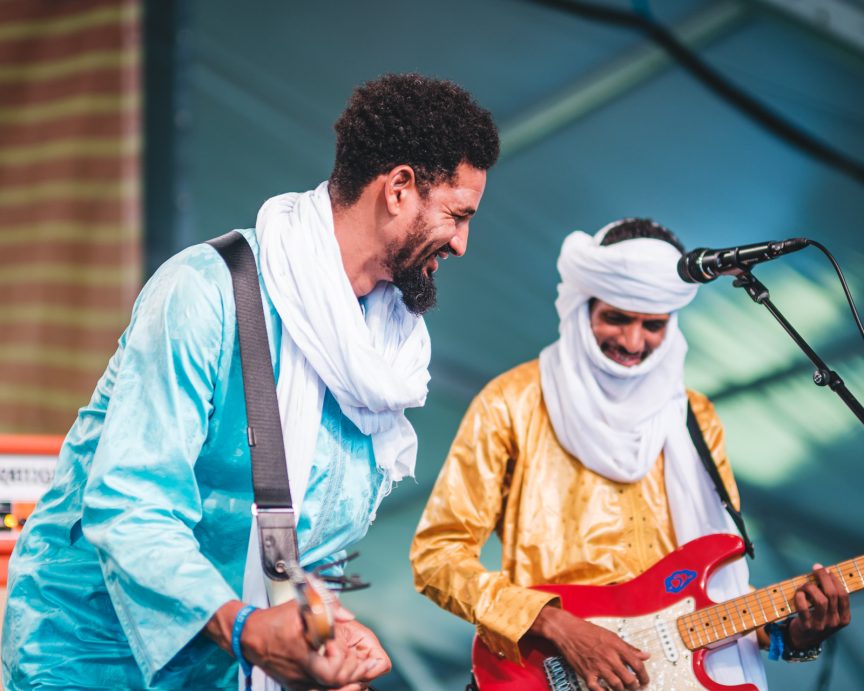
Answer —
(638, 275)
(616, 420)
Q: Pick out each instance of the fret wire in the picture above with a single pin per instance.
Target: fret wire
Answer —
(741, 614)
(698, 632)
(706, 622)
(760, 596)
(840, 573)
(761, 608)
(718, 624)
(728, 617)
(773, 604)
(789, 609)
(683, 630)
(854, 563)
(703, 627)
(750, 607)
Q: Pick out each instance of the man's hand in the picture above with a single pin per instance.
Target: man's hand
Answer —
(597, 655)
(823, 609)
(273, 640)
(365, 645)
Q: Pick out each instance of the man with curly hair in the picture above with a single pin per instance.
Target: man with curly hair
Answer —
(135, 567)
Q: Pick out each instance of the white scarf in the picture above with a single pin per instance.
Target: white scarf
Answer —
(616, 420)
(375, 361)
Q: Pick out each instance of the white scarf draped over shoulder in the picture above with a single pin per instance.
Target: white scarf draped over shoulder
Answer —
(616, 420)
(373, 358)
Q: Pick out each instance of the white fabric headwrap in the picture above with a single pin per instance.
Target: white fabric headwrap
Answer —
(616, 420)
(376, 364)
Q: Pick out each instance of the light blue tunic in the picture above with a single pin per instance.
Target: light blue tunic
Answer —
(143, 535)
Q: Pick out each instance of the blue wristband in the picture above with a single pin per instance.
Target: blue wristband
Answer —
(775, 648)
(236, 631)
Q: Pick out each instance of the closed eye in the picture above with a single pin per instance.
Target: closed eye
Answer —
(616, 318)
(461, 215)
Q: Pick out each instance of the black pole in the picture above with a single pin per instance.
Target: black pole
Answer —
(824, 375)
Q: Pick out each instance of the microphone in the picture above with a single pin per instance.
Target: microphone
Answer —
(703, 265)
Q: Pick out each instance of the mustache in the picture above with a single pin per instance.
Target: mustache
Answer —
(444, 249)
(614, 348)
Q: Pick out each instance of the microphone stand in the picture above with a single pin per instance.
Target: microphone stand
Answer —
(823, 376)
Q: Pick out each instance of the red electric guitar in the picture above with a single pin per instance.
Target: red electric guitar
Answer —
(665, 612)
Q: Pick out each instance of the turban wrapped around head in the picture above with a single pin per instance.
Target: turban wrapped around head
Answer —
(637, 275)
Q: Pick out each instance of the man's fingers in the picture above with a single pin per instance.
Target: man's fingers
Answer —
(802, 604)
(818, 601)
(635, 660)
(641, 672)
(375, 667)
(342, 614)
(610, 679)
(336, 667)
(835, 592)
(843, 611)
(628, 679)
(625, 670)
(593, 683)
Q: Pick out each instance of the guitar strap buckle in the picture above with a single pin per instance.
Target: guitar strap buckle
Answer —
(277, 536)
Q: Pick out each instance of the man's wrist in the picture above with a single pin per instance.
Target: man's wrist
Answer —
(236, 632)
(787, 646)
(801, 649)
(221, 624)
(546, 622)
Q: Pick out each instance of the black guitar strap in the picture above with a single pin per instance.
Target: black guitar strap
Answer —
(277, 527)
(711, 468)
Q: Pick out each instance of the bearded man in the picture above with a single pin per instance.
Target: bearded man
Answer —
(583, 464)
(133, 569)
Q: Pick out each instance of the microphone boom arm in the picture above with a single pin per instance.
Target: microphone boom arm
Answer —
(823, 376)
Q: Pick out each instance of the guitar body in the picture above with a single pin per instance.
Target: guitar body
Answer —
(642, 611)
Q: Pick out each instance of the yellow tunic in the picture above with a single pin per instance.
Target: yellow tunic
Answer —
(558, 521)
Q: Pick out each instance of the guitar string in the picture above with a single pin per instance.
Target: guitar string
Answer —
(649, 639)
(762, 596)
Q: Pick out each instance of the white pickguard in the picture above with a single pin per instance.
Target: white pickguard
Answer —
(670, 667)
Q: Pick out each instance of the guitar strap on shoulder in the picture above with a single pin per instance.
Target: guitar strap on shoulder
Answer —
(711, 468)
(274, 508)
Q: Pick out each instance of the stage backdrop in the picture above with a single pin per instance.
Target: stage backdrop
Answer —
(69, 201)
(598, 124)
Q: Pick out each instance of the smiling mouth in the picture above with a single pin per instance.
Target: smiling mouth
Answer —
(431, 265)
(623, 357)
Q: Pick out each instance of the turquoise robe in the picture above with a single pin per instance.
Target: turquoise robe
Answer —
(143, 534)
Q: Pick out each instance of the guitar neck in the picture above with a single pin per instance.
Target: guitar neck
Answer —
(746, 613)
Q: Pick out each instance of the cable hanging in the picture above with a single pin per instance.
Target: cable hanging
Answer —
(714, 80)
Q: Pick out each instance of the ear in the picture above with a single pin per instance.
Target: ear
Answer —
(399, 186)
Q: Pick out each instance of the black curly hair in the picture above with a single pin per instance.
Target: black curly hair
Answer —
(430, 124)
(632, 228)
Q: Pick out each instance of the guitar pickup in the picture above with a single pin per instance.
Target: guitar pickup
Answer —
(667, 639)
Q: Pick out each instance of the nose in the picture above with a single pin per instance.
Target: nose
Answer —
(459, 242)
(632, 339)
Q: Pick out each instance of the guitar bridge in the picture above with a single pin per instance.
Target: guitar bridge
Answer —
(560, 675)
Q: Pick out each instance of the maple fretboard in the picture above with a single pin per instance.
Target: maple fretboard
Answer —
(746, 613)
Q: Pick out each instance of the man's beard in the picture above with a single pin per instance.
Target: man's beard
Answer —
(419, 292)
